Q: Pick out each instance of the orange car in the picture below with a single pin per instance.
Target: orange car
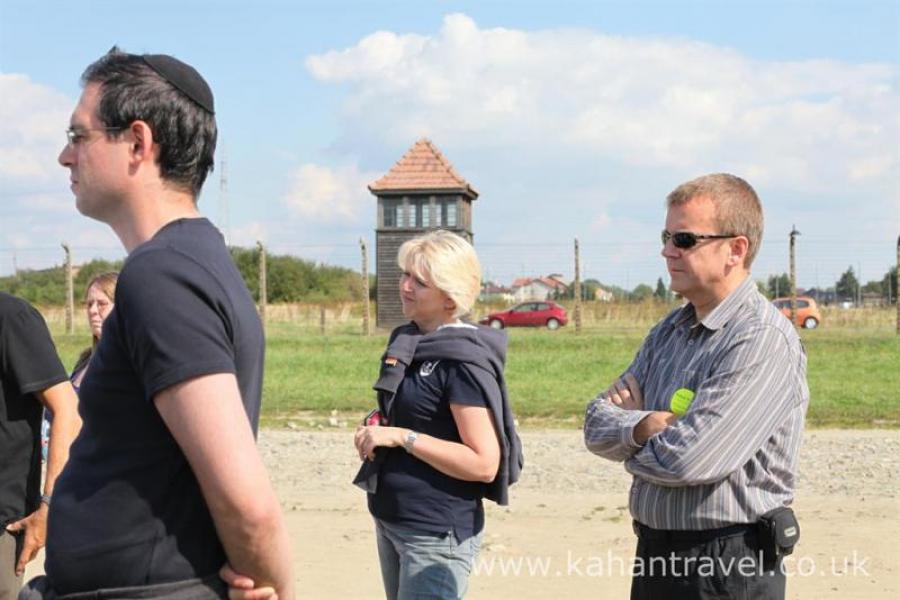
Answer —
(808, 315)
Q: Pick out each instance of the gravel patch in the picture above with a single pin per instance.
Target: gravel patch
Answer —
(832, 462)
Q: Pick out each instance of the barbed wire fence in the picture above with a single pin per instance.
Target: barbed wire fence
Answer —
(819, 261)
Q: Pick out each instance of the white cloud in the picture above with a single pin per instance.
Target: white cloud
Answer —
(325, 194)
(38, 210)
(812, 125)
(33, 118)
(248, 234)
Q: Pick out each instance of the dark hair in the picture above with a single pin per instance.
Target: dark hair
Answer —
(185, 132)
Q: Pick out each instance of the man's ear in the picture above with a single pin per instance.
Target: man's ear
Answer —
(738, 247)
(142, 141)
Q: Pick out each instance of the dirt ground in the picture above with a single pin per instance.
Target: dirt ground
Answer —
(567, 533)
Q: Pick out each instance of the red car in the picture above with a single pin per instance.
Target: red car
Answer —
(529, 314)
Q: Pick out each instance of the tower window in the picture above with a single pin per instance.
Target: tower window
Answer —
(393, 213)
(448, 213)
(421, 211)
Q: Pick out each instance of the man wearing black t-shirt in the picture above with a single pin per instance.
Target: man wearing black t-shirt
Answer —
(31, 377)
(165, 486)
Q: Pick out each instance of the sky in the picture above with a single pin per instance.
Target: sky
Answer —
(572, 120)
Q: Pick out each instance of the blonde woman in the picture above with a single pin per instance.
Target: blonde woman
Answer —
(444, 439)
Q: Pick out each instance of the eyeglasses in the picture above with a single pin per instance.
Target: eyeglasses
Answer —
(684, 240)
(101, 304)
(77, 136)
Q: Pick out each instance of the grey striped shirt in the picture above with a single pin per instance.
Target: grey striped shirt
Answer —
(733, 455)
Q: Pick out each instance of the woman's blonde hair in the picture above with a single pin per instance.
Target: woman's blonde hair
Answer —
(447, 261)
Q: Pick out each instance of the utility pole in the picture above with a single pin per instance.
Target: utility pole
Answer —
(794, 234)
(365, 288)
(70, 292)
(263, 293)
(858, 284)
(577, 289)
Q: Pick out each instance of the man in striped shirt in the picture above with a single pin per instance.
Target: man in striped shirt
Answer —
(709, 415)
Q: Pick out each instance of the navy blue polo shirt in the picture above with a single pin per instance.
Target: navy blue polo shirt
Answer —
(412, 493)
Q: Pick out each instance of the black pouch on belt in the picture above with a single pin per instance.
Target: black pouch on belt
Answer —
(778, 532)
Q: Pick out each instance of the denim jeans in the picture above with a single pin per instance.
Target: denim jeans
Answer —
(418, 564)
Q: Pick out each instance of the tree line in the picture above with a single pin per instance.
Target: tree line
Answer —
(288, 279)
(847, 288)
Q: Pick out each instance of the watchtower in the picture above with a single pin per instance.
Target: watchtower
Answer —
(422, 191)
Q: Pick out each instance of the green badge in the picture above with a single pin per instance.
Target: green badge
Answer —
(681, 401)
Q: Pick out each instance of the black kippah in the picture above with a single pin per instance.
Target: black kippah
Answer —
(182, 76)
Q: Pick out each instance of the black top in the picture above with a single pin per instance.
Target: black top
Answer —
(28, 363)
(128, 510)
(410, 491)
(483, 351)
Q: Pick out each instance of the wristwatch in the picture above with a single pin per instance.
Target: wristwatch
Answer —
(45, 499)
(411, 438)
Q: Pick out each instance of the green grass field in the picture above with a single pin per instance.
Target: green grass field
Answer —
(854, 375)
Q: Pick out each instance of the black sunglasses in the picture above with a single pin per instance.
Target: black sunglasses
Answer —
(685, 239)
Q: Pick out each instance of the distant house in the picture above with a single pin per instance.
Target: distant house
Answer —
(538, 288)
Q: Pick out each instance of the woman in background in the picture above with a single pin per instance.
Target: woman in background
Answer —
(99, 299)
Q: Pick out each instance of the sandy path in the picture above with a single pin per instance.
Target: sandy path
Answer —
(571, 505)
(567, 533)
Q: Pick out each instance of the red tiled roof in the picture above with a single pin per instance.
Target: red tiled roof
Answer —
(423, 167)
(521, 282)
(549, 282)
(552, 282)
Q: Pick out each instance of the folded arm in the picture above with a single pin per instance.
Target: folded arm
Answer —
(734, 412)
(611, 420)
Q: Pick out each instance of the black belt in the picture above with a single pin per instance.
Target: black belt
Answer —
(690, 535)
